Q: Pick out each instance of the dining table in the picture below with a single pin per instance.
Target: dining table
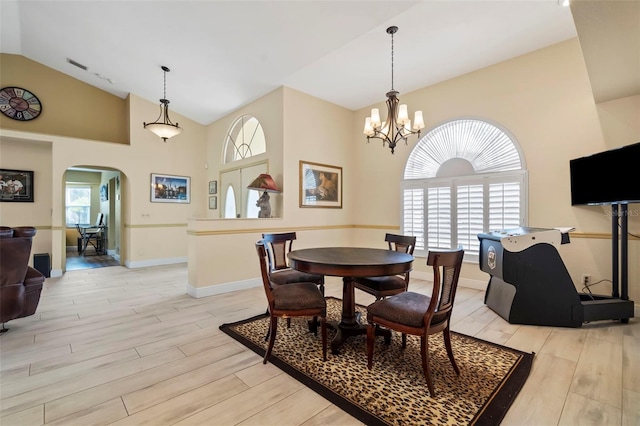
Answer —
(349, 263)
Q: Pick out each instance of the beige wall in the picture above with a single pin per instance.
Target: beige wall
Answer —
(620, 121)
(543, 99)
(69, 107)
(268, 111)
(151, 233)
(222, 251)
(34, 156)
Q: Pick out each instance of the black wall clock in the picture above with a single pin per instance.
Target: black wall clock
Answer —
(19, 104)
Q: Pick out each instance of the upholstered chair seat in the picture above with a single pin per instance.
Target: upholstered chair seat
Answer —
(298, 296)
(405, 308)
(381, 287)
(393, 283)
(287, 276)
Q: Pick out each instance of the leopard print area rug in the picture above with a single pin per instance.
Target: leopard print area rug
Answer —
(394, 392)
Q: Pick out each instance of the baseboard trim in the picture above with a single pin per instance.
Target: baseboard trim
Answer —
(56, 273)
(155, 262)
(212, 290)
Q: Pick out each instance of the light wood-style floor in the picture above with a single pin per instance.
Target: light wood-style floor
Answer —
(129, 347)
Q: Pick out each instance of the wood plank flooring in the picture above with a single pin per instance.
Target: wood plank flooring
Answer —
(128, 347)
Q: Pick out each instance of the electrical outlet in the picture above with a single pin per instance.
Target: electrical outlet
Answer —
(586, 279)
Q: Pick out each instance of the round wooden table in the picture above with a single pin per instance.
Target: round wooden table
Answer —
(349, 263)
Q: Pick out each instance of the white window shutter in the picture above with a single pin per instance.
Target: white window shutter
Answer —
(504, 205)
(413, 215)
(439, 217)
(470, 216)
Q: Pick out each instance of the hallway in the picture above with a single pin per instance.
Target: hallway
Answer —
(76, 261)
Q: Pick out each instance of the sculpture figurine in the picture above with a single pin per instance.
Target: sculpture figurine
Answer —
(265, 206)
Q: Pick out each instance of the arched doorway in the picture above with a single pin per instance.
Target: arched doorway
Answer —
(92, 195)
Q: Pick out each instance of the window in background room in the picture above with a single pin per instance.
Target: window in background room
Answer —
(78, 205)
(244, 140)
(462, 178)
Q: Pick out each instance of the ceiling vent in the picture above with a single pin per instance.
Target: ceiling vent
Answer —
(79, 65)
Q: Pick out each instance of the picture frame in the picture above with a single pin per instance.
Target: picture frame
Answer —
(170, 189)
(104, 192)
(320, 185)
(16, 186)
(213, 202)
(213, 187)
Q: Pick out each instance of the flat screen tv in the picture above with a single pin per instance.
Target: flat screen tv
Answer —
(609, 177)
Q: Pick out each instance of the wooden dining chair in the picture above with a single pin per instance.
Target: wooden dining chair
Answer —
(278, 246)
(301, 299)
(381, 287)
(92, 236)
(418, 314)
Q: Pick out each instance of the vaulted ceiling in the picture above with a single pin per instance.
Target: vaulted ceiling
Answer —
(225, 54)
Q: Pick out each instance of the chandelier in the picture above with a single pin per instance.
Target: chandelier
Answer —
(164, 129)
(398, 125)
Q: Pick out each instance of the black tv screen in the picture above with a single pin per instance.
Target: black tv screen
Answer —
(609, 177)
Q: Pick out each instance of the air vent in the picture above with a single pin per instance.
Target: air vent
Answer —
(72, 62)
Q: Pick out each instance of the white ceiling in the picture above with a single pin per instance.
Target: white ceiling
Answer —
(225, 54)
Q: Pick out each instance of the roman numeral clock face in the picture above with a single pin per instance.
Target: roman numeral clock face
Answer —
(19, 104)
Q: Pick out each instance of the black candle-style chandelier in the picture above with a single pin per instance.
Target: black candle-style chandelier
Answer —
(165, 129)
(398, 125)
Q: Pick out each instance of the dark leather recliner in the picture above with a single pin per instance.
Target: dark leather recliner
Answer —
(20, 284)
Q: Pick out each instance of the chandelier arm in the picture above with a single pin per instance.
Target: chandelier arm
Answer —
(157, 120)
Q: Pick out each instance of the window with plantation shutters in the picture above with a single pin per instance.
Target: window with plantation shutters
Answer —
(463, 178)
(439, 217)
(413, 220)
(470, 216)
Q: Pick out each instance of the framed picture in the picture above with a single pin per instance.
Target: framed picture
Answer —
(213, 202)
(170, 189)
(320, 185)
(104, 192)
(16, 186)
(213, 187)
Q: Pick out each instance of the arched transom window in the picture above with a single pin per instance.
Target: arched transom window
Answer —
(244, 140)
(464, 177)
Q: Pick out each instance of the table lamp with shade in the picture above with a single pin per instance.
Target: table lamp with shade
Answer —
(265, 183)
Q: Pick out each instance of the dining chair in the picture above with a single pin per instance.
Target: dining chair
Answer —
(381, 287)
(278, 246)
(301, 299)
(92, 236)
(421, 315)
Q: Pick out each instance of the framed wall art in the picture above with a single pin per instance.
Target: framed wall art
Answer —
(320, 185)
(170, 189)
(104, 192)
(213, 187)
(213, 202)
(16, 186)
